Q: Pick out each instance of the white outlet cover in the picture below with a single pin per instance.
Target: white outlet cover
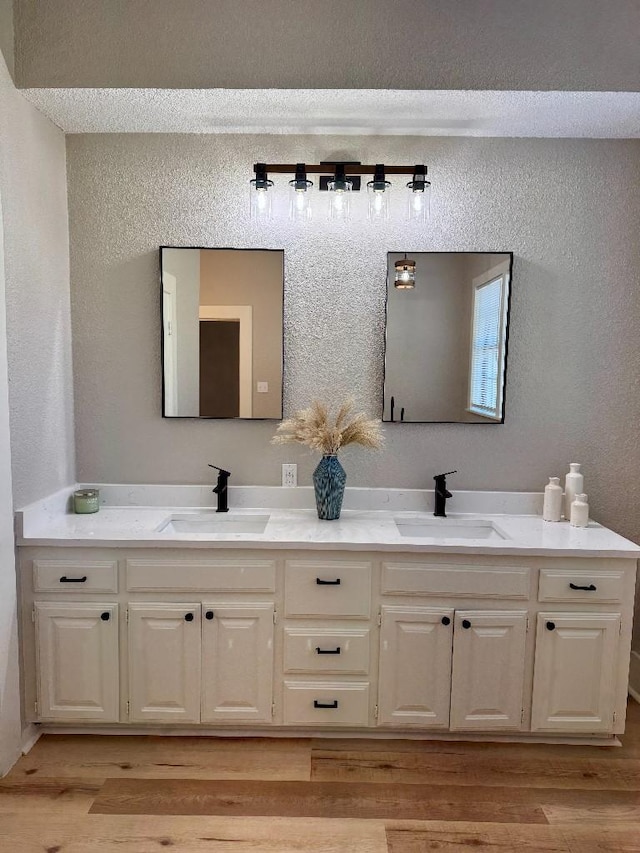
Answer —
(263, 387)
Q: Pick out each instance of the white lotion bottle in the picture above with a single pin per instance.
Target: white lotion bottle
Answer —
(580, 511)
(552, 504)
(573, 485)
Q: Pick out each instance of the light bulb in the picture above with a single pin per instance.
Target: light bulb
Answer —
(300, 195)
(260, 197)
(378, 191)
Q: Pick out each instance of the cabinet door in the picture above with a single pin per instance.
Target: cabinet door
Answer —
(77, 662)
(415, 667)
(575, 672)
(237, 662)
(488, 669)
(164, 662)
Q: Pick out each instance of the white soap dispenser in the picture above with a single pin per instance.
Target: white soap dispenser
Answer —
(580, 511)
(573, 485)
(552, 505)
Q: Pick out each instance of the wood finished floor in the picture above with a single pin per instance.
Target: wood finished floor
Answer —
(80, 794)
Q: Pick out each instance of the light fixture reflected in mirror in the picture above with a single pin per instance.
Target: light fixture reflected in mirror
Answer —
(378, 191)
(300, 195)
(405, 274)
(340, 195)
(260, 197)
(419, 195)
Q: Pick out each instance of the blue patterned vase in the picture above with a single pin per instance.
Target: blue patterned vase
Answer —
(329, 480)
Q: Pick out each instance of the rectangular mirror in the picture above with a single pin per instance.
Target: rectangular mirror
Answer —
(222, 324)
(446, 337)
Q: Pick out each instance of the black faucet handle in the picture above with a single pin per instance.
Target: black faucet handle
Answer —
(223, 473)
(442, 476)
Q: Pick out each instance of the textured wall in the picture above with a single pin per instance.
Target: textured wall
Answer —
(404, 44)
(567, 209)
(33, 186)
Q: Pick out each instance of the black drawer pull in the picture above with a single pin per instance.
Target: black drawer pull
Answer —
(445, 620)
(105, 616)
(466, 623)
(317, 704)
(551, 626)
(591, 588)
(335, 651)
(320, 582)
(188, 617)
(65, 579)
(209, 614)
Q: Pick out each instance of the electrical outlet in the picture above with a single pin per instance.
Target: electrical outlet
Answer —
(289, 474)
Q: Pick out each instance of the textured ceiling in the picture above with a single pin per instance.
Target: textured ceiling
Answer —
(345, 111)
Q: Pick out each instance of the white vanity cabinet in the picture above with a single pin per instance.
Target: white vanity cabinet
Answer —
(237, 662)
(304, 640)
(77, 667)
(327, 636)
(164, 651)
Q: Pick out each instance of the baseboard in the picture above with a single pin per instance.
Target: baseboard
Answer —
(30, 735)
(634, 676)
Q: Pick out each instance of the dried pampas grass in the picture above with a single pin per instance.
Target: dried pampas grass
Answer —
(314, 427)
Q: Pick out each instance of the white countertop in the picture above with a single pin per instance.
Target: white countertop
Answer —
(362, 528)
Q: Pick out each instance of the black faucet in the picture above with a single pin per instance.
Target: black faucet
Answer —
(441, 494)
(221, 489)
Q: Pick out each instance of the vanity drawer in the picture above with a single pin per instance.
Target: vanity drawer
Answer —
(326, 703)
(451, 580)
(201, 575)
(323, 650)
(72, 576)
(573, 585)
(327, 588)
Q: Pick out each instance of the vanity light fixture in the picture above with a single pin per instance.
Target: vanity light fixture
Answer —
(260, 197)
(340, 195)
(378, 190)
(419, 195)
(299, 195)
(340, 179)
(405, 275)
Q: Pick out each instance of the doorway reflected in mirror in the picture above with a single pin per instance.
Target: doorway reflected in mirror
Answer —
(222, 327)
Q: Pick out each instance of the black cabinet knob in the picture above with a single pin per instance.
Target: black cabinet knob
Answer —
(466, 623)
(105, 616)
(551, 626)
(209, 614)
(446, 621)
(188, 617)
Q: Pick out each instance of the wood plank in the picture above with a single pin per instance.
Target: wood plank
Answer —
(604, 813)
(153, 757)
(479, 837)
(474, 769)
(37, 794)
(313, 799)
(134, 834)
(619, 838)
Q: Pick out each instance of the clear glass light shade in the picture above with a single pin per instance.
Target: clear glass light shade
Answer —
(300, 195)
(379, 193)
(260, 200)
(405, 274)
(419, 200)
(339, 200)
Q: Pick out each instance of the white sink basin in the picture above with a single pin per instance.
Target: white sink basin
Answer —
(449, 528)
(214, 523)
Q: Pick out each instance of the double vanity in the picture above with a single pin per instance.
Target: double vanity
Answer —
(489, 623)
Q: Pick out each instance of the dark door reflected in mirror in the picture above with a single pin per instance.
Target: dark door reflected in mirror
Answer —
(446, 337)
(222, 327)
